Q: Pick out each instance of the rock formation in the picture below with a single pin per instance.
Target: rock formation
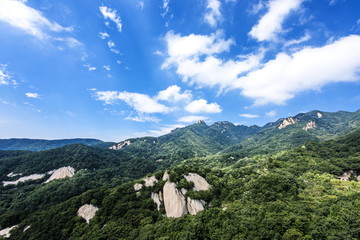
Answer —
(310, 125)
(174, 201)
(319, 115)
(166, 176)
(199, 182)
(137, 187)
(61, 173)
(157, 198)
(286, 122)
(87, 212)
(150, 181)
(24, 179)
(194, 205)
(121, 145)
(6, 232)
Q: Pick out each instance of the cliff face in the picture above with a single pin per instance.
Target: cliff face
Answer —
(174, 200)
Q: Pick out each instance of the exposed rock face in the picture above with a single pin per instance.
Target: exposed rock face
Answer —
(199, 182)
(87, 212)
(24, 179)
(319, 115)
(26, 228)
(286, 122)
(6, 232)
(150, 181)
(137, 186)
(157, 198)
(121, 145)
(61, 173)
(13, 174)
(194, 205)
(174, 201)
(165, 176)
(310, 125)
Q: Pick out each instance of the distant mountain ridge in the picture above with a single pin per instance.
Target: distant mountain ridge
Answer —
(42, 144)
(199, 139)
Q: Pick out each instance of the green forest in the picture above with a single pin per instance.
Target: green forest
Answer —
(288, 192)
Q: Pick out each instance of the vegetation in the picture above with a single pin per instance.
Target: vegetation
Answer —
(293, 193)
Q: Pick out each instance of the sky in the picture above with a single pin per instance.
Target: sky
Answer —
(116, 69)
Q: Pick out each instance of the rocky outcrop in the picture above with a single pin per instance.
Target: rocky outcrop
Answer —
(166, 176)
(137, 187)
(24, 179)
(61, 173)
(200, 184)
(194, 205)
(150, 181)
(174, 201)
(26, 228)
(6, 232)
(13, 174)
(121, 145)
(310, 125)
(157, 198)
(87, 212)
(319, 115)
(286, 122)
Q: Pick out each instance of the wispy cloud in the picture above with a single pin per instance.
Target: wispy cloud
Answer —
(111, 14)
(247, 115)
(272, 113)
(140, 102)
(19, 15)
(111, 44)
(5, 77)
(103, 35)
(270, 25)
(32, 95)
(141, 117)
(192, 118)
(213, 15)
(89, 67)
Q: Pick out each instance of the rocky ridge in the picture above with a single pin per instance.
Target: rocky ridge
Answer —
(175, 202)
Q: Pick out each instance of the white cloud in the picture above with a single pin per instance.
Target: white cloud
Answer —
(173, 94)
(141, 4)
(202, 106)
(271, 113)
(140, 102)
(257, 7)
(141, 117)
(89, 67)
(192, 46)
(304, 38)
(5, 77)
(213, 15)
(107, 67)
(247, 115)
(111, 14)
(185, 53)
(111, 44)
(271, 23)
(30, 20)
(103, 35)
(163, 130)
(32, 95)
(308, 69)
(192, 118)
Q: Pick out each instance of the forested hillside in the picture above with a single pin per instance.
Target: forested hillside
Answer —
(306, 189)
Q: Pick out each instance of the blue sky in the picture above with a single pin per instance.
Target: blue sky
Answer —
(127, 68)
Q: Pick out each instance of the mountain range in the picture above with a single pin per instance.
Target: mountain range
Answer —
(296, 178)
